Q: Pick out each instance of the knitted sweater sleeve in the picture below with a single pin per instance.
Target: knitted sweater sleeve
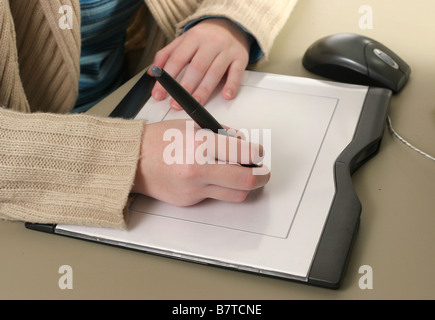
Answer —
(72, 169)
(39, 60)
(56, 168)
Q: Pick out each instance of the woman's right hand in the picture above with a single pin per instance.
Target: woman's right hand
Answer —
(171, 167)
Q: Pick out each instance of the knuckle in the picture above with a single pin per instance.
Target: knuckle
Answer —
(197, 66)
(188, 171)
(177, 59)
(161, 55)
(217, 71)
(217, 37)
(195, 32)
(203, 92)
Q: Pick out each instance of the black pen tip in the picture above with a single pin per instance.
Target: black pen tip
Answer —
(156, 71)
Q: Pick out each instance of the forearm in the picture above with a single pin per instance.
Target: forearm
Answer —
(72, 169)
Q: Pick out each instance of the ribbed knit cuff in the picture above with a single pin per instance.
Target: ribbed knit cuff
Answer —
(72, 169)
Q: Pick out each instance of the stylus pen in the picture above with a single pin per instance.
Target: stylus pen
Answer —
(192, 107)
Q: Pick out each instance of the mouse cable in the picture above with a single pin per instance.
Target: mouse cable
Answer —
(395, 134)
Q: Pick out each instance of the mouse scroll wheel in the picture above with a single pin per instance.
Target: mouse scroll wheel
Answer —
(386, 58)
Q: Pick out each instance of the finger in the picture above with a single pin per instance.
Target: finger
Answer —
(160, 60)
(234, 78)
(225, 148)
(163, 54)
(177, 60)
(196, 70)
(234, 177)
(225, 194)
(212, 78)
(198, 67)
(231, 149)
(239, 134)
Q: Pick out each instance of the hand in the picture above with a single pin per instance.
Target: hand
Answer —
(210, 49)
(184, 184)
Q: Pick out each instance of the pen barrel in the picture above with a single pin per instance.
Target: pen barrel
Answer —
(205, 120)
(192, 107)
(184, 99)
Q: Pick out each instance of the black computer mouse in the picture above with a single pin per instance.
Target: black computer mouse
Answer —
(353, 58)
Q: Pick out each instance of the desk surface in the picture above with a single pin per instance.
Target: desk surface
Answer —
(396, 188)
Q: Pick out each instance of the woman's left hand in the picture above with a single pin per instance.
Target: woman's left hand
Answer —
(210, 49)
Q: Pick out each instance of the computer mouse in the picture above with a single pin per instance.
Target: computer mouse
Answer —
(353, 58)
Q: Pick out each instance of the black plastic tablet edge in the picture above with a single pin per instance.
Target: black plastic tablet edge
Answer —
(128, 108)
(47, 228)
(135, 99)
(332, 254)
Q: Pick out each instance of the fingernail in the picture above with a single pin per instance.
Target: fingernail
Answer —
(158, 95)
(174, 105)
(228, 94)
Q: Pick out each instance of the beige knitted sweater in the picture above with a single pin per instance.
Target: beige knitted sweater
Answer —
(57, 167)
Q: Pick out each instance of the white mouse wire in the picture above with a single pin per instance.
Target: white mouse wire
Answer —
(395, 134)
